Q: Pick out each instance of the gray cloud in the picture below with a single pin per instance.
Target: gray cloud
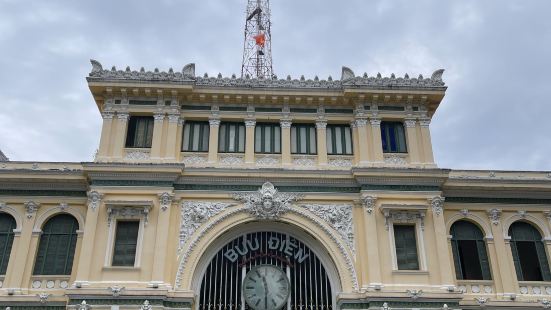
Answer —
(496, 56)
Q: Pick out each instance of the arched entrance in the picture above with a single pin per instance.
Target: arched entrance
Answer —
(311, 277)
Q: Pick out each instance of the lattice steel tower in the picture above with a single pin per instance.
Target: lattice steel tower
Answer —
(257, 51)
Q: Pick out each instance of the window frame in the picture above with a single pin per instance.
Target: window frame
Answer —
(331, 132)
(309, 128)
(203, 125)
(262, 127)
(239, 126)
(539, 247)
(117, 223)
(9, 235)
(418, 261)
(484, 263)
(385, 136)
(131, 132)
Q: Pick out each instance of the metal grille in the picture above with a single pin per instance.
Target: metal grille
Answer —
(221, 284)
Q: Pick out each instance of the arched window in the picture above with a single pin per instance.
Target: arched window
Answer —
(528, 253)
(469, 252)
(57, 246)
(7, 225)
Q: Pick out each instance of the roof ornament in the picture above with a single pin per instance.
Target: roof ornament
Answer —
(189, 70)
(127, 68)
(437, 75)
(379, 75)
(96, 66)
(347, 74)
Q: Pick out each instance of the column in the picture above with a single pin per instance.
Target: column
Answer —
(362, 149)
(377, 142)
(504, 258)
(412, 141)
(120, 134)
(172, 137)
(250, 124)
(321, 125)
(426, 141)
(285, 124)
(441, 238)
(105, 139)
(355, 142)
(161, 239)
(157, 135)
(179, 135)
(21, 250)
(87, 252)
(372, 241)
(213, 139)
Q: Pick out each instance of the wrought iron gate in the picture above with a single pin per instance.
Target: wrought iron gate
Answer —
(221, 284)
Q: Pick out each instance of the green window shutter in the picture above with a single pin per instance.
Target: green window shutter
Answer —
(542, 258)
(57, 245)
(516, 261)
(7, 225)
(457, 260)
(126, 241)
(406, 247)
(484, 262)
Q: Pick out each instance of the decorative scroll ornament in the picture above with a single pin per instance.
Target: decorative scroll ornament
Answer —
(43, 297)
(30, 208)
(385, 306)
(481, 301)
(339, 217)
(128, 212)
(546, 304)
(83, 306)
(437, 204)
(414, 294)
(146, 305)
(494, 215)
(195, 213)
(165, 199)
(116, 290)
(94, 199)
(267, 203)
(369, 203)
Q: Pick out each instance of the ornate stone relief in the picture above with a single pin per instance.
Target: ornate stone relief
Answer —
(395, 160)
(146, 305)
(304, 161)
(83, 306)
(464, 212)
(285, 123)
(116, 290)
(94, 199)
(250, 122)
(414, 294)
(339, 217)
(30, 208)
(267, 203)
(43, 297)
(368, 203)
(165, 199)
(494, 215)
(404, 216)
(437, 204)
(195, 213)
(231, 159)
(340, 161)
(481, 301)
(128, 212)
(137, 155)
(267, 160)
(195, 160)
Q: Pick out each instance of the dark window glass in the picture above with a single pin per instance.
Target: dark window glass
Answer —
(303, 139)
(196, 137)
(393, 137)
(140, 131)
(406, 247)
(231, 138)
(469, 252)
(529, 254)
(267, 138)
(56, 249)
(7, 225)
(339, 140)
(126, 241)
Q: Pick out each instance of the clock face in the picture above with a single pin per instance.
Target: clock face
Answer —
(266, 287)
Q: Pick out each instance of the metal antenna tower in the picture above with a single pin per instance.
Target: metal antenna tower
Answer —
(257, 50)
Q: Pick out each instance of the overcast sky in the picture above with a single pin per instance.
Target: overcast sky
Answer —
(497, 56)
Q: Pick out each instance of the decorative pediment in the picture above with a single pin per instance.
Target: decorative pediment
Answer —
(395, 213)
(128, 210)
(267, 203)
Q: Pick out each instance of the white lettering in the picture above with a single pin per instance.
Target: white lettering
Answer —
(231, 255)
(273, 243)
(301, 255)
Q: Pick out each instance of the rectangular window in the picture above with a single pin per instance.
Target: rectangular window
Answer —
(406, 247)
(140, 131)
(126, 242)
(393, 137)
(339, 140)
(231, 138)
(267, 138)
(196, 137)
(303, 139)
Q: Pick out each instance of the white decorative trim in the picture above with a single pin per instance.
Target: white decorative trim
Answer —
(175, 118)
(231, 159)
(361, 122)
(62, 208)
(393, 159)
(337, 216)
(267, 203)
(482, 223)
(194, 213)
(321, 123)
(214, 122)
(31, 208)
(425, 122)
(267, 160)
(437, 204)
(368, 203)
(165, 200)
(116, 290)
(305, 160)
(537, 222)
(146, 305)
(123, 116)
(159, 116)
(128, 212)
(250, 122)
(375, 122)
(195, 160)
(494, 215)
(94, 199)
(410, 123)
(107, 115)
(339, 161)
(135, 155)
(285, 123)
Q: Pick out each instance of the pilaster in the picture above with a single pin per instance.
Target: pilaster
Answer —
(120, 134)
(172, 136)
(213, 139)
(440, 235)
(362, 149)
(22, 246)
(412, 140)
(376, 138)
(355, 142)
(428, 157)
(162, 237)
(372, 243)
(88, 238)
(321, 127)
(504, 256)
(159, 119)
(285, 141)
(250, 124)
(106, 131)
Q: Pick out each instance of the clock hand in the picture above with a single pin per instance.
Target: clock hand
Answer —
(265, 292)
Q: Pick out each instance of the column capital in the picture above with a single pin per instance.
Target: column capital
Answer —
(424, 122)
(174, 118)
(410, 123)
(94, 199)
(250, 122)
(353, 124)
(361, 122)
(494, 215)
(437, 204)
(214, 122)
(321, 123)
(123, 116)
(368, 203)
(285, 123)
(107, 115)
(375, 122)
(159, 116)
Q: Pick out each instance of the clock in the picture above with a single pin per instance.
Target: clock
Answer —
(266, 287)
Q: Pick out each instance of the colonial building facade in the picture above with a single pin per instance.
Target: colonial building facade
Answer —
(227, 193)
